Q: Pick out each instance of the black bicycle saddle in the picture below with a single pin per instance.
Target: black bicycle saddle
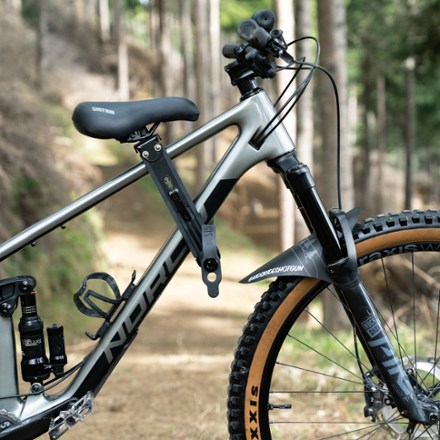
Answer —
(118, 120)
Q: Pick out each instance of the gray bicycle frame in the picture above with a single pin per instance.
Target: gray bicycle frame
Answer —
(250, 115)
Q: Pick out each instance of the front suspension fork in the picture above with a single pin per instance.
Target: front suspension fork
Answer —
(336, 238)
(372, 334)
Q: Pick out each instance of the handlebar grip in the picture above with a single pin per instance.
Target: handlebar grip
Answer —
(230, 51)
(254, 34)
(265, 19)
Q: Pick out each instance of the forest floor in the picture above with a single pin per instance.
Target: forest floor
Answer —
(172, 382)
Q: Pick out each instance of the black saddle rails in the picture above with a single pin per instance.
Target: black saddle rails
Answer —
(118, 120)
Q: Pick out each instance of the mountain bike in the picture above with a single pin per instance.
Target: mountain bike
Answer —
(293, 375)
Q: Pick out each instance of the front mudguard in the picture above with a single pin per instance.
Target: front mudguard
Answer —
(305, 259)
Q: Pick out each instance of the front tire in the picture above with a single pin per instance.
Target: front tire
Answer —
(294, 376)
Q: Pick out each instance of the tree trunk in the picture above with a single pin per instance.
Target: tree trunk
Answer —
(15, 6)
(202, 82)
(163, 44)
(80, 13)
(104, 21)
(304, 112)
(215, 66)
(285, 21)
(381, 140)
(153, 28)
(332, 34)
(90, 12)
(187, 48)
(368, 126)
(123, 68)
(410, 131)
(123, 74)
(41, 34)
(166, 71)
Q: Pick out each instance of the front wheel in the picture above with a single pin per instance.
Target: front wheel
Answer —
(299, 375)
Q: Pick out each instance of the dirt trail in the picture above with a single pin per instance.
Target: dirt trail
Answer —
(172, 382)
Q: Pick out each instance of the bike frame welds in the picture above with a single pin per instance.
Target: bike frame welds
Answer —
(33, 412)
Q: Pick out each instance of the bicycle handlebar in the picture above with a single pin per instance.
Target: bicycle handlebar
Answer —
(265, 19)
(231, 50)
(254, 34)
(263, 43)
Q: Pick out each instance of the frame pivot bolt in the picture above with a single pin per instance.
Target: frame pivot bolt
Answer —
(433, 418)
(210, 264)
(145, 154)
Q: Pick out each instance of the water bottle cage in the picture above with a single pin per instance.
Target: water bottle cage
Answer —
(87, 300)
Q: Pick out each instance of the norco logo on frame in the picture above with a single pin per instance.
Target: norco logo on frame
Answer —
(143, 306)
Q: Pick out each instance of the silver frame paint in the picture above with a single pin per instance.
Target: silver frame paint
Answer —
(249, 115)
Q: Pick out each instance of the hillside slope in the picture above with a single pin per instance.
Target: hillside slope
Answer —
(38, 171)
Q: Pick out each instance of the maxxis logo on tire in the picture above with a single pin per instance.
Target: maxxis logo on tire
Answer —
(258, 364)
(253, 413)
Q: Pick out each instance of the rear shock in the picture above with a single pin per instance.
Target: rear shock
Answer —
(35, 366)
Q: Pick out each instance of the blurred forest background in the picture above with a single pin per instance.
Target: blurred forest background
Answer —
(383, 55)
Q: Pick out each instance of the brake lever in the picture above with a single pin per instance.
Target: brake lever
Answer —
(233, 51)
(285, 56)
(278, 46)
(250, 31)
(259, 38)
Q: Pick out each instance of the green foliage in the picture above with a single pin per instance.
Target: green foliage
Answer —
(27, 199)
(232, 12)
(136, 9)
(31, 186)
(59, 262)
(30, 12)
(134, 5)
(381, 37)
